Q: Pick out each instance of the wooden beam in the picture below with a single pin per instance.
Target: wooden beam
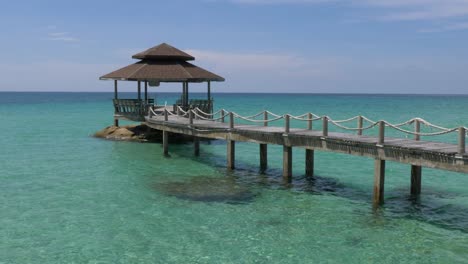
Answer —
(231, 154)
(263, 157)
(309, 162)
(416, 173)
(209, 90)
(379, 182)
(116, 122)
(287, 162)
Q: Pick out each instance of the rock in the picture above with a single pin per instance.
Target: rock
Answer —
(139, 133)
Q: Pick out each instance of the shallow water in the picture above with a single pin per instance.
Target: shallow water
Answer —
(66, 197)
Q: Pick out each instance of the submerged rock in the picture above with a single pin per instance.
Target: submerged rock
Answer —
(139, 133)
(208, 189)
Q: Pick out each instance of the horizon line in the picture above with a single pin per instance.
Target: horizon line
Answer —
(317, 93)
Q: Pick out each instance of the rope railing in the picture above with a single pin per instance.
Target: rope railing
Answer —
(268, 117)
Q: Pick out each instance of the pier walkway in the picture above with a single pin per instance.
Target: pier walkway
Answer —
(418, 153)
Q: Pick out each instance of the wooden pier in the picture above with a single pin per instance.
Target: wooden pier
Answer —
(414, 151)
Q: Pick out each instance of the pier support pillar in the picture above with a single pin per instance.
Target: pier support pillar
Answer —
(287, 162)
(231, 154)
(196, 146)
(416, 173)
(309, 162)
(116, 122)
(379, 182)
(263, 157)
(165, 142)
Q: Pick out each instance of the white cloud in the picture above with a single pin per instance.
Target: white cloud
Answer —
(61, 36)
(285, 65)
(266, 2)
(394, 10)
(450, 27)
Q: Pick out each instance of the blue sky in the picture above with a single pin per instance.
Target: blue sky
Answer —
(313, 46)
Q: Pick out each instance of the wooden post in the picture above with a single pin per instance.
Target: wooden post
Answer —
(165, 143)
(150, 113)
(286, 123)
(209, 90)
(196, 146)
(195, 113)
(222, 116)
(116, 122)
(263, 157)
(178, 110)
(139, 90)
(231, 154)
(190, 116)
(309, 122)
(417, 129)
(265, 118)
(182, 98)
(309, 162)
(416, 173)
(115, 90)
(231, 120)
(325, 126)
(379, 182)
(186, 94)
(381, 133)
(359, 122)
(287, 162)
(461, 140)
(166, 118)
(146, 91)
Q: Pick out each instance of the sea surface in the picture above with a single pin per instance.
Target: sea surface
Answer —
(67, 197)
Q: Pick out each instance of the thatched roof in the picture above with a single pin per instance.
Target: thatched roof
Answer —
(163, 51)
(163, 71)
(163, 63)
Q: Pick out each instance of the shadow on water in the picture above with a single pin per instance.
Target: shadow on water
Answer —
(237, 187)
(208, 189)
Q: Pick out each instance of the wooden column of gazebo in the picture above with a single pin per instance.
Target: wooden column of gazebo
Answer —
(162, 63)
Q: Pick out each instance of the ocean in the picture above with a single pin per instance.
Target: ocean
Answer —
(67, 197)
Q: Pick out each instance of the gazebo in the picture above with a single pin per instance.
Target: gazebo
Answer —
(162, 63)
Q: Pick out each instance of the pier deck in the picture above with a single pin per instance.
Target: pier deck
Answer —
(415, 152)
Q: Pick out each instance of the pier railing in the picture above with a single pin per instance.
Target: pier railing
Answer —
(265, 117)
(132, 109)
(203, 105)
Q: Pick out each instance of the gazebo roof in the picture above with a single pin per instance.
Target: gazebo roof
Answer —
(163, 63)
(163, 51)
(163, 71)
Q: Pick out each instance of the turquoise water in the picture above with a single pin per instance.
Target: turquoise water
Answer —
(66, 197)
